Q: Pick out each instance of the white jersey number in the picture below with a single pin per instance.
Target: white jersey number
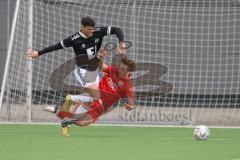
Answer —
(91, 52)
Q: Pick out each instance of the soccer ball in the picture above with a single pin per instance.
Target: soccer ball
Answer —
(201, 132)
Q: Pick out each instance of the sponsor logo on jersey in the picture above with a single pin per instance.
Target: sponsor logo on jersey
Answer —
(83, 46)
(75, 36)
(96, 40)
(112, 84)
(120, 84)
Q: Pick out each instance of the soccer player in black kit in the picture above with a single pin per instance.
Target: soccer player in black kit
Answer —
(86, 43)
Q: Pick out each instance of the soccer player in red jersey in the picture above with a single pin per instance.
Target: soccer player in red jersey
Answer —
(114, 85)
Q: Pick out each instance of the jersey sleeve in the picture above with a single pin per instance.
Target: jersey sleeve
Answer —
(109, 30)
(103, 31)
(69, 41)
(50, 49)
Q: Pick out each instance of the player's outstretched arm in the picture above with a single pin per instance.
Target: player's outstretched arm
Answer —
(122, 48)
(35, 54)
(130, 105)
(118, 32)
(131, 100)
(67, 42)
(102, 54)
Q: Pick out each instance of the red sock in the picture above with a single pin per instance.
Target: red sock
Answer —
(62, 114)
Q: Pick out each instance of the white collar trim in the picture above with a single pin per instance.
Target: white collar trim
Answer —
(83, 35)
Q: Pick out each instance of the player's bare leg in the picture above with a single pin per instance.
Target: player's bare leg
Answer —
(72, 109)
(69, 106)
(76, 106)
(72, 103)
(65, 107)
(85, 121)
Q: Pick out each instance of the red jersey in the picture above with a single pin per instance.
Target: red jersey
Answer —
(112, 87)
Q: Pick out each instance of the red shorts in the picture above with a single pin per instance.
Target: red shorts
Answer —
(96, 110)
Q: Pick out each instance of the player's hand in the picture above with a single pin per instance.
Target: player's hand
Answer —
(128, 107)
(122, 48)
(103, 53)
(32, 54)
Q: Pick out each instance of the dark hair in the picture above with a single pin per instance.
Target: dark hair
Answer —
(130, 63)
(87, 21)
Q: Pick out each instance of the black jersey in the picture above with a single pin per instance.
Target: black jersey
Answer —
(83, 45)
(86, 48)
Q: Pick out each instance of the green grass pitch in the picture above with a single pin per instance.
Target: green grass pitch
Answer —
(45, 142)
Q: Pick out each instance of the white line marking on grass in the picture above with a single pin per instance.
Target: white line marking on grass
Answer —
(175, 138)
(222, 139)
(194, 139)
(164, 138)
(128, 125)
(32, 135)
